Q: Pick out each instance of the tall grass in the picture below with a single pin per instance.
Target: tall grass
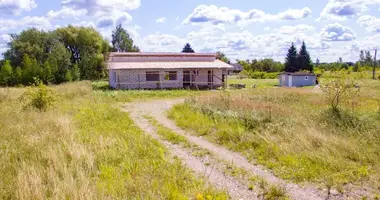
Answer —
(86, 148)
(293, 132)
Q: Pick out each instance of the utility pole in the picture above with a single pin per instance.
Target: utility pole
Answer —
(374, 66)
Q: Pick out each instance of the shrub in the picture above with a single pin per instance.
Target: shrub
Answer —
(339, 90)
(39, 96)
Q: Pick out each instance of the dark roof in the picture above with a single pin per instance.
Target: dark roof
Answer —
(236, 67)
(158, 54)
(299, 74)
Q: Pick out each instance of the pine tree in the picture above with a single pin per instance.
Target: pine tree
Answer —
(17, 76)
(291, 59)
(27, 75)
(303, 59)
(187, 49)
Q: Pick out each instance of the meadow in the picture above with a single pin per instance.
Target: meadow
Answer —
(295, 133)
(85, 147)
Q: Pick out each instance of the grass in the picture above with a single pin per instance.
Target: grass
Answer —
(260, 83)
(292, 132)
(86, 148)
(102, 88)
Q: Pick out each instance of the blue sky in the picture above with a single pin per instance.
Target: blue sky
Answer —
(243, 29)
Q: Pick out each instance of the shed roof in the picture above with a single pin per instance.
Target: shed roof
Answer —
(298, 74)
(237, 67)
(217, 64)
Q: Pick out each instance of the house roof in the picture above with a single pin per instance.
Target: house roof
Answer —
(157, 54)
(237, 67)
(217, 64)
(299, 74)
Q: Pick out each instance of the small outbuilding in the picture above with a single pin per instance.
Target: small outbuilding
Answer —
(297, 79)
(236, 69)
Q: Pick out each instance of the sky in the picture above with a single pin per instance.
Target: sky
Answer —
(242, 29)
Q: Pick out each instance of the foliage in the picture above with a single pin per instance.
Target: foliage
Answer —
(6, 74)
(39, 96)
(122, 42)
(65, 54)
(291, 59)
(303, 59)
(221, 56)
(187, 49)
(264, 65)
(339, 90)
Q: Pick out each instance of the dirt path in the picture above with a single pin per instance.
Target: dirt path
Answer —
(235, 189)
(157, 109)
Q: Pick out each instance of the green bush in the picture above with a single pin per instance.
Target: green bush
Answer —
(39, 96)
(263, 75)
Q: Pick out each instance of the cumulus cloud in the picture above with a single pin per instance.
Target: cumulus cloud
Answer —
(65, 13)
(25, 22)
(371, 23)
(105, 22)
(217, 15)
(301, 28)
(101, 7)
(159, 39)
(345, 9)
(15, 7)
(161, 20)
(337, 32)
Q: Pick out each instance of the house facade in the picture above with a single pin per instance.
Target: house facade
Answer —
(166, 70)
(297, 79)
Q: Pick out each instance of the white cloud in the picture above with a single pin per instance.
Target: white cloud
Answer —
(337, 32)
(371, 23)
(15, 7)
(161, 20)
(301, 28)
(345, 9)
(217, 15)
(102, 7)
(65, 13)
(105, 22)
(25, 22)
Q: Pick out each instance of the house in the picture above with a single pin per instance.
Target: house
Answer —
(236, 69)
(166, 70)
(297, 79)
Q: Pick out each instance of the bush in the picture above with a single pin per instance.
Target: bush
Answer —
(39, 96)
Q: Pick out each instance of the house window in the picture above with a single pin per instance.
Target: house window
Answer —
(152, 76)
(306, 78)
(171, 76)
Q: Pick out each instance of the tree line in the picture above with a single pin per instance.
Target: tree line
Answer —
(63, 55)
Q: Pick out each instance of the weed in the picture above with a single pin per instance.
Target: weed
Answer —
(39, 96)
(275, 193)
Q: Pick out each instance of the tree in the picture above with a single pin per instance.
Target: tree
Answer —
(291, 59)
(303, 59)
(6, 73)
(317, 62)
(187, 49)
(75, 73)
(221, 56)
(47, 73)
(122, 42)
(27, 75)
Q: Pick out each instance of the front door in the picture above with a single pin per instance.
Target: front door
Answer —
(210, 78)
(186, 78)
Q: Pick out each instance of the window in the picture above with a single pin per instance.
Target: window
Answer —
(171, 76)
(306, 78)
(152, 76)
(114, 76)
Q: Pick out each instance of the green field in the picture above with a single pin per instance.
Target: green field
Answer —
(294, 133)
(86, 148)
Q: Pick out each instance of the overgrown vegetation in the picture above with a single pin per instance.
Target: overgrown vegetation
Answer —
(293, 132)
(85, 148)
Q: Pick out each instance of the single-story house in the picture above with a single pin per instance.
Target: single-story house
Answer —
(166, 70)
(236, 68)
(297, 79)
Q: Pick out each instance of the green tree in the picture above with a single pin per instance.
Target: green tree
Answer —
(75, 73)
(221, 56)
(47, 73)
(59, 59)
(27, 65)
(122, 42)
(187, 49)
(303, 59)
(291, 59)
(6, 73)
(68, 76)
(17, 76)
